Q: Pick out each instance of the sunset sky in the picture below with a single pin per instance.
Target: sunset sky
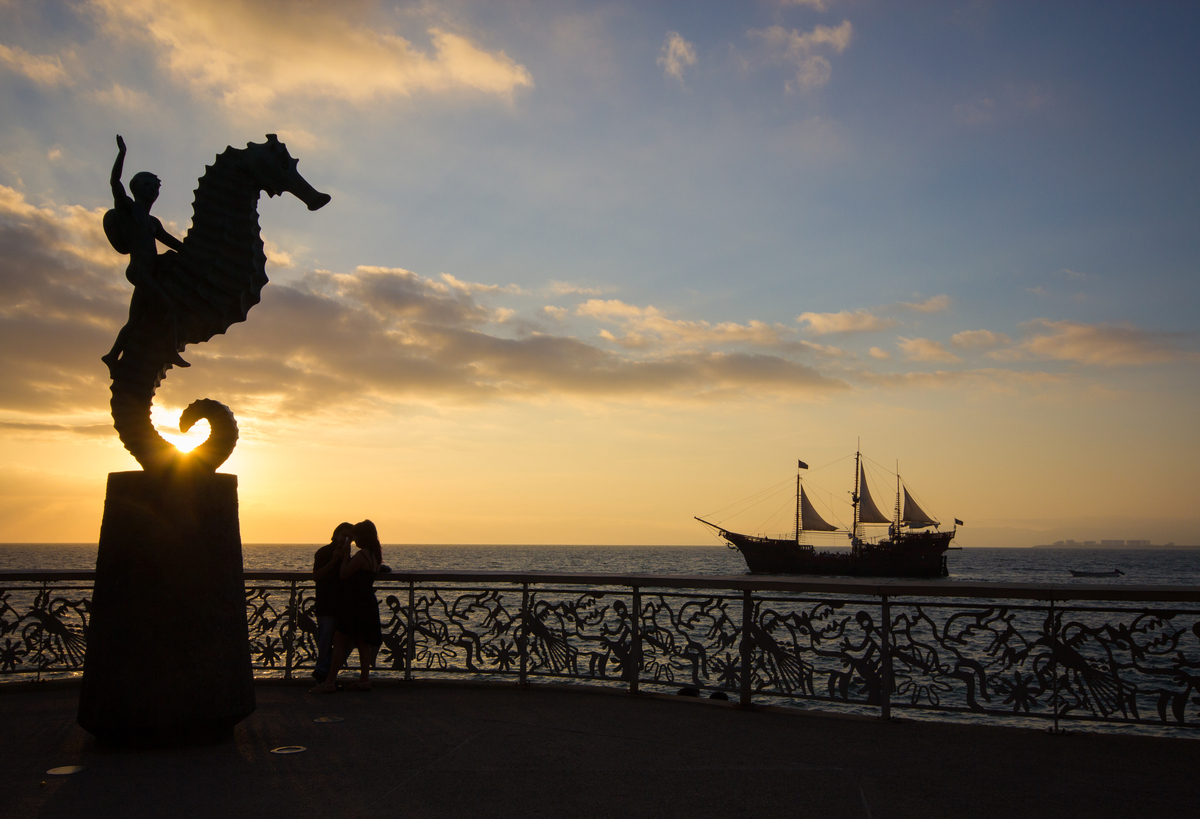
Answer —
(591, 269)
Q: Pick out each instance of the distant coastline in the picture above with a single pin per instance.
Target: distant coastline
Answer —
(1111, 544)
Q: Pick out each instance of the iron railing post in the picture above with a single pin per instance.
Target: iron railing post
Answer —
(410, 631)
(43, 662)
(1054, 661)
(885, 659)
(522, 632)
(635, 641)
(747, 645)
(289, 635)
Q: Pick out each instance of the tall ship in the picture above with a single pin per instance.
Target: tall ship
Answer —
(913, 545)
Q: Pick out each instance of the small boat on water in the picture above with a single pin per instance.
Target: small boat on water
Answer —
(913, 546)
(1112, 573)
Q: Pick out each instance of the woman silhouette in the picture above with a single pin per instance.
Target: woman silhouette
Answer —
(357, 624)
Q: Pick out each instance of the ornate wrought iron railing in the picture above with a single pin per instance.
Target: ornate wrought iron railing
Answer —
(1104, 654)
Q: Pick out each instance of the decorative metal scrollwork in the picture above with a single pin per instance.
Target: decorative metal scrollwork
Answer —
(991, 659)
(43, 629)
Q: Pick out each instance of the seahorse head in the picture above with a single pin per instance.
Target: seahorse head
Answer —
(275, 170)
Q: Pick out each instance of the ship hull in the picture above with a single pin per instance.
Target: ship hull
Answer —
(919, 554)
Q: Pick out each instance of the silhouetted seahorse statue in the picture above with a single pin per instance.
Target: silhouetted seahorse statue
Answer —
(198, 290)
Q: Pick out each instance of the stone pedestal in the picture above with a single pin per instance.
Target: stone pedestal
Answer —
(168, 654)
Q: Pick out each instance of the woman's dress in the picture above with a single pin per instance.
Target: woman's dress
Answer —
(360, 614)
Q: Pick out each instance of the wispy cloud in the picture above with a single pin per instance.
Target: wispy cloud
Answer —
(676, 55)
(827, 350)
(924, 349)
(335, 335)
(799, 49)
(118, 96)
(331, 343)
(645, 327)
(1004, 103)
(62, 299)
(611, 308)
(471, 288)
(933, 304)
(43, 69)
(845, 321)
(989, 379)
(556, 288)
(979, 339)
(1106, 345)
(249, 54)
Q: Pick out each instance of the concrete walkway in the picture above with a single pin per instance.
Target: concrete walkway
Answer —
(444, 750)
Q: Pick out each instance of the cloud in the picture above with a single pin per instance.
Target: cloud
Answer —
(882, 355)
(611, 308)
(1106, 345)
(249, 54)
(702, 332)
(43, 69)
(676, 55)
(975, 112)
(796, 48)
(1002, 104)
(336, 345)
(567, 289)
(398, 293)
(818, 5)
(647, 327)
(331, 339)
(924, 349)
(979, 339)
(62, 299)
(118, 96)
(556, 313)
(845, 321)
(276, 256)
(470, 288)
(992, 379)
(826, 350)
(934, 304)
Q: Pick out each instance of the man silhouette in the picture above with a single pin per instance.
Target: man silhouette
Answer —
(131, 229)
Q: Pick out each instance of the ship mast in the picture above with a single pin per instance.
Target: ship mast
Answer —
(799, 518)
(797, 506)
(897, 529)
(854, 496)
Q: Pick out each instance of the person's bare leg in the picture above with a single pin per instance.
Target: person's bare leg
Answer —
(341, 649)
(171, 337)
(115, 353)
(366, 659)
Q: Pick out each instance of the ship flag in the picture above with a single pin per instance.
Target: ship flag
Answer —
(958, 522)
(801, 465)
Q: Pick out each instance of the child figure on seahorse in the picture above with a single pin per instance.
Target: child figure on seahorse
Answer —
(131, 229)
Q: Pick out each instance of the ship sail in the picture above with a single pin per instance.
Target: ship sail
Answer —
(810, 521)
(914, 515)
(868, 512)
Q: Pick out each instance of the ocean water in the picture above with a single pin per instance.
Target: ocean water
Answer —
(1141, 566)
